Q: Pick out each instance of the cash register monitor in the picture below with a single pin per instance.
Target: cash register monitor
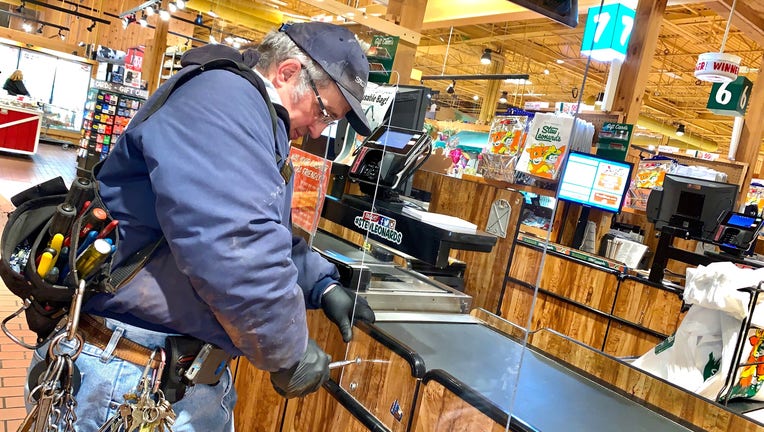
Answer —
(692, 204)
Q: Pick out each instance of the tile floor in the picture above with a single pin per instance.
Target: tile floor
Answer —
(17, 173)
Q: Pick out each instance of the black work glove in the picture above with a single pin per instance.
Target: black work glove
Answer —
(338, 307)
(306, 376)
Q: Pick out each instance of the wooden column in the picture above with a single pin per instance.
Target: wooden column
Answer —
(634, 72)
(408, 14)
(491, 92)
(154, 55)
(750, 138)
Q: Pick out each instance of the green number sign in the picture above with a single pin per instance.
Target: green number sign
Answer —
(730, 98)
(607, 32)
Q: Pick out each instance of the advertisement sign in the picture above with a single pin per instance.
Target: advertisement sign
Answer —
(613, 140)
(311, 177)
(607, 32)
(381, 54)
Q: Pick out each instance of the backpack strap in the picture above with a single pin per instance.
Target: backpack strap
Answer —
(133, 264)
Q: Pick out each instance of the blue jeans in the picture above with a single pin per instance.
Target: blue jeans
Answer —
(105, 379)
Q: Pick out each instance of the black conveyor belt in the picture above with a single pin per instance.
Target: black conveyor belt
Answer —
(550, 397)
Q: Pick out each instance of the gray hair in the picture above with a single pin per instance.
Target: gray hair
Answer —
(277, 47)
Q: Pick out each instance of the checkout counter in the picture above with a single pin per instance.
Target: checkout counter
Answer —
(427, 365)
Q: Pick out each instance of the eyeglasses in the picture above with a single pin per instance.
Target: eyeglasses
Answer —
(324, 116)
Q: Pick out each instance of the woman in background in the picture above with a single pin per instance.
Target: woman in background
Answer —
(14, 85)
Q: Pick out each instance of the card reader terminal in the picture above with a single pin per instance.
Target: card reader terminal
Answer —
(390, 155)
(737, 231)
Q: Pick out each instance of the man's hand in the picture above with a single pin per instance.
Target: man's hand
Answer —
(306, 376)
(337, 304)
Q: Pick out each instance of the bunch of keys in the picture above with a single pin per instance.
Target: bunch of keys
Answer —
(145, 409)
(52, 391)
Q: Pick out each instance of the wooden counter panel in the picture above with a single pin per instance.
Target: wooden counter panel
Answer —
(570, 320)
(261, 409)
(579, 282)
(648, 306)
(656, 394)
(526, 264)
(439, 410)
(319, 411)
(516, 306)
(377, 385)
(625, 341)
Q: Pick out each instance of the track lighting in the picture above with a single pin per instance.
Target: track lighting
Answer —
(26, 27)
(199, 19)
(450, 88)
(680, 129)
(91, 26)
(486, 57)
(39, 30)
(61, 34)
(503, 98)
(475, 98)
(164, 15)
(172, 7)
(143, 21)
(180, 4)
(20, 8)
(150, 10)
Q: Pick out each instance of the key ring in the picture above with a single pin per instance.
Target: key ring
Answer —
(56, 342)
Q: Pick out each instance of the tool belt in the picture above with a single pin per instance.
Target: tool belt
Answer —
(182, 351)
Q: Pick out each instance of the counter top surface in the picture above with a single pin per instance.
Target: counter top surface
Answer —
(550, 397)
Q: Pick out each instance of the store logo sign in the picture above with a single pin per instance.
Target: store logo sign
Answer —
(378, 225)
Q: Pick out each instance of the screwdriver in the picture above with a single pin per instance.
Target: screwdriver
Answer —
(357, 360)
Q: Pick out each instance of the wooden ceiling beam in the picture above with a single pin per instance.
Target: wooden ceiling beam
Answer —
(746, 19)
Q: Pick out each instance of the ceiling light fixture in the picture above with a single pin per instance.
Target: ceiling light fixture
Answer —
(199, 19)
(39, 30)
(546, 71)
(172, 7)
(450, 88)
(486, 57)
(212, 13)
(150, 10)
(476, 98)
(143, 21)
(61, 34)
(91, 26)
(181, 4)
(20, 8)
(26, 27)
(600, 98)
(680, 130)
(164, 15)
(503, 98)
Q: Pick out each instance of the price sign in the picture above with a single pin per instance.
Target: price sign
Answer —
(607, 32)
(730, 98)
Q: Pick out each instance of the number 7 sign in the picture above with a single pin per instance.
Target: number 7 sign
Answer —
(607, 32)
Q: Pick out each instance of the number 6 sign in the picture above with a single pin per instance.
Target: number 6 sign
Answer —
(730, 98)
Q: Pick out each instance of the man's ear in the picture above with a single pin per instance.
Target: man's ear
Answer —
(287, 72)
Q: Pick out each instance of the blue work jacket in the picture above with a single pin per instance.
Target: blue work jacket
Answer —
(202, 172)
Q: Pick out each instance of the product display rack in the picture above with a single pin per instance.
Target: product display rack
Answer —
(108, 110)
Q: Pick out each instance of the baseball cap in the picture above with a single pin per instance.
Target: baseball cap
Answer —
(337, 51)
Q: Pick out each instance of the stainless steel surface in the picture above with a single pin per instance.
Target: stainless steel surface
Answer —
(426, 317)
(393, 288)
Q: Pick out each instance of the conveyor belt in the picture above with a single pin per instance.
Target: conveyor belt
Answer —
(549, 396)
